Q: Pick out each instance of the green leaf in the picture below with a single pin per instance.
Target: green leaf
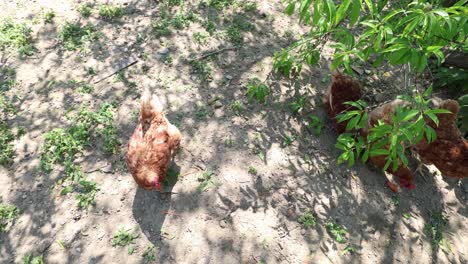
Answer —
(378, 152)
(430, 134)
(317, 11)
(290, 8)
(341, 13)
(352, 123)
(428, 91)
(351, 159)
(365, 156)
(371, 7)
(66, 190)
(392, 14)
(409, 115)
(355, 11)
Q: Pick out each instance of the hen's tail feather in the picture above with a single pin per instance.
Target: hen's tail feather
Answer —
(150, 105)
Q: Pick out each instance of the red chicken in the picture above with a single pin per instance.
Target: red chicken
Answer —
(342, 89)
(152, 144)
(449, 152)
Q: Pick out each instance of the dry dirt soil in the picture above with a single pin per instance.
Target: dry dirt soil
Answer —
(267, 168)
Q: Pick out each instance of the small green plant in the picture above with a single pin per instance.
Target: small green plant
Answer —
(74, 35)
(125, 237)
(297, 105)
(111, 12)
(250, 6)
(201, 38)
(7, 214)
(48, 16)
(396, 200)
(307, 220)
(257, 90)
(85, 88)
(202, 69)
(435, 230)
(315, 124)
(234, 35)
(149, 255)
(237, 107)
(463, 114)
(348, 249)
(206, 180)
(85, 9)
(288, 140)
(90, 71)
(202, 113)
(87, 194)
(30, 259)
(407, 215)
(262, 156)
(183, 20)
(337, 231)
(209, 26)
(16, 36)
(253, 170)
(6, 146)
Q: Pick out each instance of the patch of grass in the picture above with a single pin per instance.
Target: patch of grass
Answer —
(202, 113)
(249, 6)
(202, 69)
(74, 35)
(307, 220)
(165, 23)
(183, 20)
(337, 231)
(111, 12)
(297, 105)
(125, 237)
(16, 36)
(253, 170)
(209, 26)
(237, 107)
(7, 214)
(315, 124)
(234, 35)
(85, 9)
(48, 16)
(6, 106)
(220, 4)
(149, 255)
(396, 200)
(257, 90)
(90, 71)
(201, 38)
(435, 230)
(206, 180)
(229, 142)
(6, 146)
(30, 259)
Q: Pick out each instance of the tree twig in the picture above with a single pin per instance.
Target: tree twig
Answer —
(206, 55)
(113, 73)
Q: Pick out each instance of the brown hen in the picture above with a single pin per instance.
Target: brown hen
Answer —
(152, 144)
(449, 152)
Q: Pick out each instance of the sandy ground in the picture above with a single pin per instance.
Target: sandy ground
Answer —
(242, 217)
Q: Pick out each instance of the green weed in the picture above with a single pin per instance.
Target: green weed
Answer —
(337, 231)
(16, 36)
(90, 71)
(234, 35)
(202, 113)
(257, 90)
(87, 194)
(348, 249)
(125, 237)
(48, 16)
(85, 88)
(201, 38)
(111, 12)
(74, 35)
(262, 156)
(85, 9)
(315, 124)
(149, 255)
(30, 259)
(202, 69)
(7, 214)
(220, 4)
(237, 107)
(253, 170)
(435, 230)
(209, 26)
(307, 220)
(6, 146)
(206, 180)
(288, 140)
(297, 105)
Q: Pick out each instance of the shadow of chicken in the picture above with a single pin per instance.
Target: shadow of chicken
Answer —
(152, 144)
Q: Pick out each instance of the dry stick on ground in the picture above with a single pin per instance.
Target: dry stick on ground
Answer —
(115, 72)
(209, 54)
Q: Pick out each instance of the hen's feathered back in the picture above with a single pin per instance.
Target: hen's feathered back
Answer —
(342, 89)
